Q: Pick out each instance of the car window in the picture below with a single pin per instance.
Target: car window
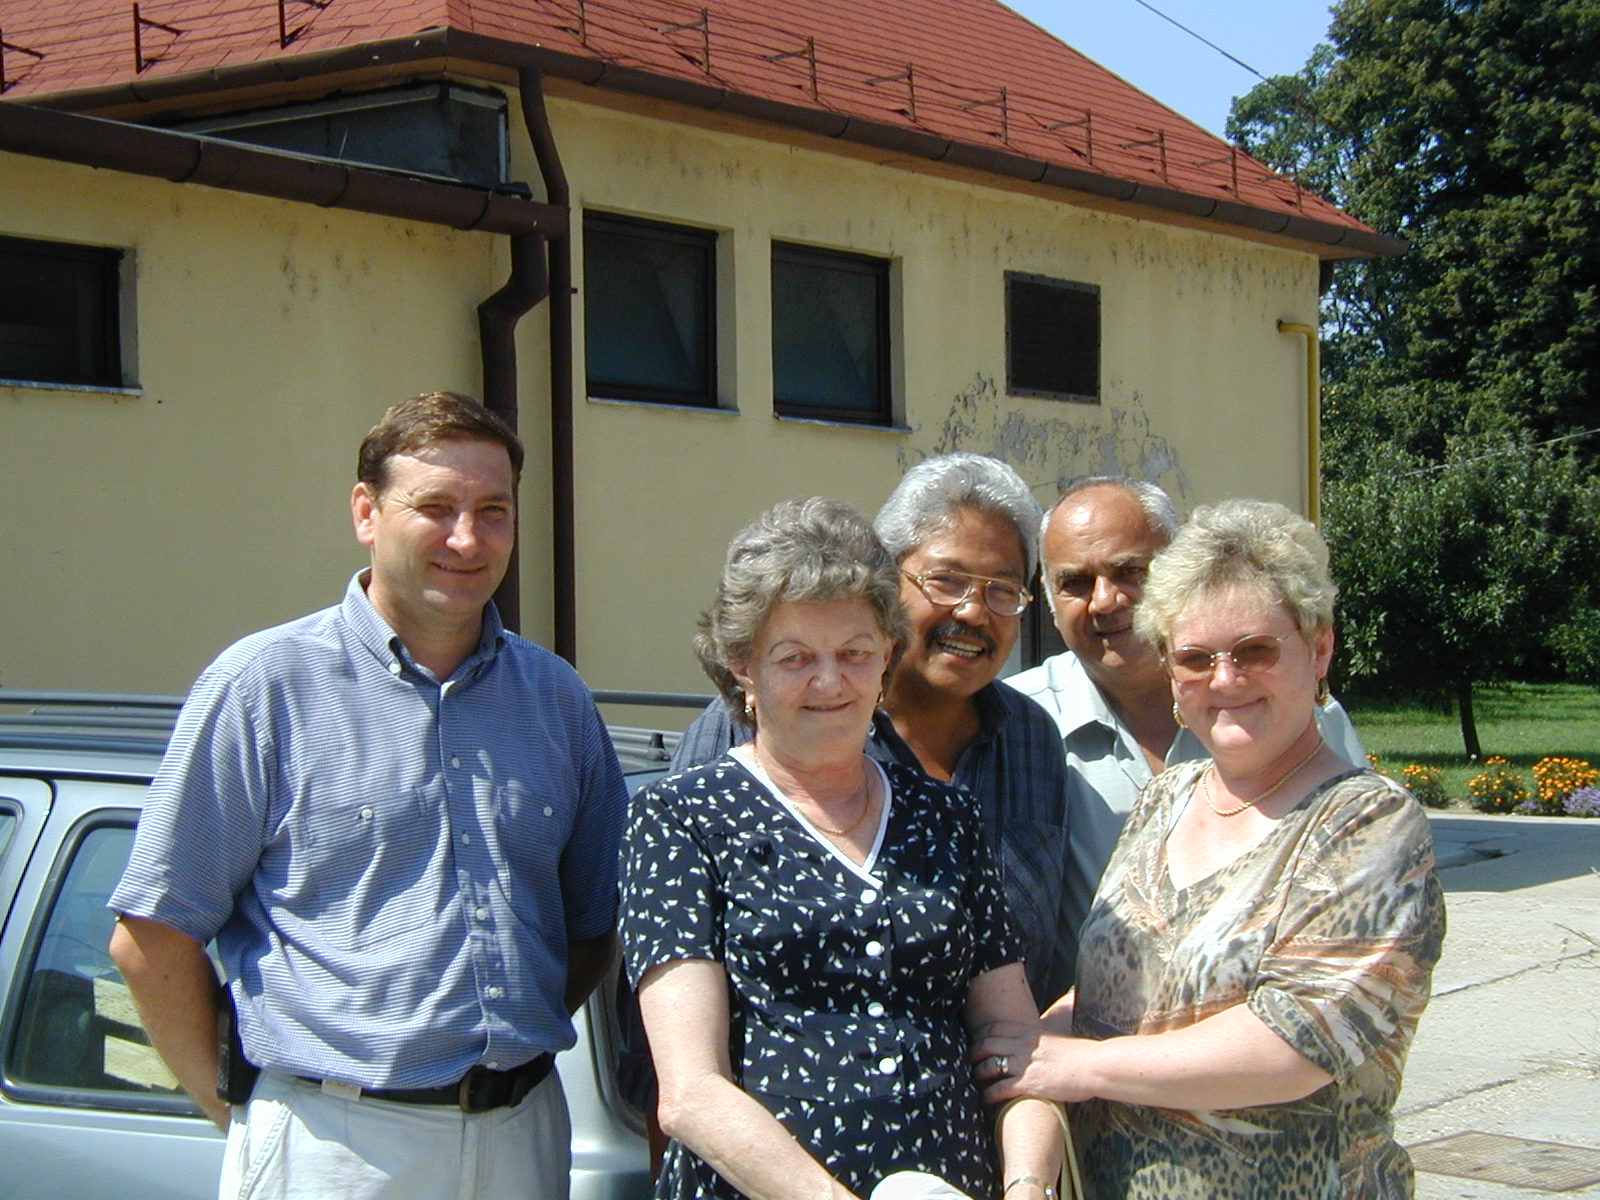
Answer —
(8, 826)
(76, 1029)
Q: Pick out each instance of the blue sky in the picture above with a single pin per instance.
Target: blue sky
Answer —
(1273, 36)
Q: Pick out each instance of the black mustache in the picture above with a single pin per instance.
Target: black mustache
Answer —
(956, 629)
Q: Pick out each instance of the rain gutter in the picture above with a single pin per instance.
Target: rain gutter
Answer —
(394, 56)
(191, 158)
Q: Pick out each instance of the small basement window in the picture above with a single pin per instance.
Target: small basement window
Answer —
(830, 335)
(1052, 338)
(60, 313)
(439, 130)
(649, 311)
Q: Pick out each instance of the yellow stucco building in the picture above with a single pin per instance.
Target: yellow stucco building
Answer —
(761, 307)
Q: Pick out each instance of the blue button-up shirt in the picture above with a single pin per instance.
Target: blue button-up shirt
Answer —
(392, 866)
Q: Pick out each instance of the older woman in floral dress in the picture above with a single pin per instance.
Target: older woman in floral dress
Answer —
(813, 935)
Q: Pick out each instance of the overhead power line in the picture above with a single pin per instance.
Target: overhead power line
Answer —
(1506, 453)
(1233, 58)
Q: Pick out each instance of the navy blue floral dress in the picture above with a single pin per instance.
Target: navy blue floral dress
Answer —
(847, 984)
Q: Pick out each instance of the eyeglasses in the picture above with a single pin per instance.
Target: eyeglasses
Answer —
(1252, 653)
(952, 589)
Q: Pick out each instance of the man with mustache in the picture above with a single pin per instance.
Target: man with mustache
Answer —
(1109, 692)
(963, 529)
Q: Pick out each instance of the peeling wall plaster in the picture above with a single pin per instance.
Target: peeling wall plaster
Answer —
(1048, 452)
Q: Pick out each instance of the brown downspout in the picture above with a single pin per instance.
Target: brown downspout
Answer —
(563, 537)
(528, 284)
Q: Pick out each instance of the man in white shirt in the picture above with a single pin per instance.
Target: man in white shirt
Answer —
(1109, 692)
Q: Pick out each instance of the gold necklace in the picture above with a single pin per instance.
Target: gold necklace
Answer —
(865, 796)
(1205, 785)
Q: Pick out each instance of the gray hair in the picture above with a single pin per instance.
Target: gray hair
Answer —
(1152, 498)
(930, 494)
(798, 551)
(1253, 543)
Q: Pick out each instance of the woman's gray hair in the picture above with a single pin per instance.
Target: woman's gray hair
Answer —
(930, 494)
(798, 551)
(1253, 543)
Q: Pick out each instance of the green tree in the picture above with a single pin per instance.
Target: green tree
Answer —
(1469, 570)
(1461, 380)
(1472, 128)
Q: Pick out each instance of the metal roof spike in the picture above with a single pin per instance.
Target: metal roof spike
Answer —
(140, 24)
(1005, 114)
(4, 46)
(909, 75)
(287, 35)
(809, 54)
(704, 26)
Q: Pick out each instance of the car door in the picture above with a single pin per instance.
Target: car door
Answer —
(87, 1108)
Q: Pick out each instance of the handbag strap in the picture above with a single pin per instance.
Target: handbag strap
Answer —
(1070, 1185)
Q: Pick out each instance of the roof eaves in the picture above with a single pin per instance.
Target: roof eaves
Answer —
(192, 158)
(443, 43)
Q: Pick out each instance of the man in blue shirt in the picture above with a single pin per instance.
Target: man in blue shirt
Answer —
(399, 822)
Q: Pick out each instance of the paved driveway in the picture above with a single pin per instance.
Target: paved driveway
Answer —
(1510, 1044)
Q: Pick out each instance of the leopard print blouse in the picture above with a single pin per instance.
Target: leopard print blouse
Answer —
(1328, 929)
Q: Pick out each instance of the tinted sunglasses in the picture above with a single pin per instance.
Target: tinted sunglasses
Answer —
(1250, 654)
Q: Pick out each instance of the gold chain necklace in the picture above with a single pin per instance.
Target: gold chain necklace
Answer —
(1205, 785)
(865, 795)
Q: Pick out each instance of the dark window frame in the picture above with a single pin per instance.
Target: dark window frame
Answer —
(1029, 378)
(705, 241)
(878, 270)
(97, 335)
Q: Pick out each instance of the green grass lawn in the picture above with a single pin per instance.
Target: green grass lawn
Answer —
(1523, 722)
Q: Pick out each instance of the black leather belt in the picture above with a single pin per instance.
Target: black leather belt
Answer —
(479, 1090)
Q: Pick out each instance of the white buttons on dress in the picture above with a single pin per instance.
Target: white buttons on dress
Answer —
(466, 839)
(493, 1066)
(455, 760)
(886, 1066)
(874, 1009)
(495, 991)
(366, 814)
(481, 913)
(874, 948)
(868, 896)
(548, 811)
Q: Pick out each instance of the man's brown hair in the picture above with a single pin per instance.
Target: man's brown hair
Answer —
(424, 420)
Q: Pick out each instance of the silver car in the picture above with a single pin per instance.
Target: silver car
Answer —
(88, 1111)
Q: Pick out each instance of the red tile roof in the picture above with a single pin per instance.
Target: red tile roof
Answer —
(970, 71)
